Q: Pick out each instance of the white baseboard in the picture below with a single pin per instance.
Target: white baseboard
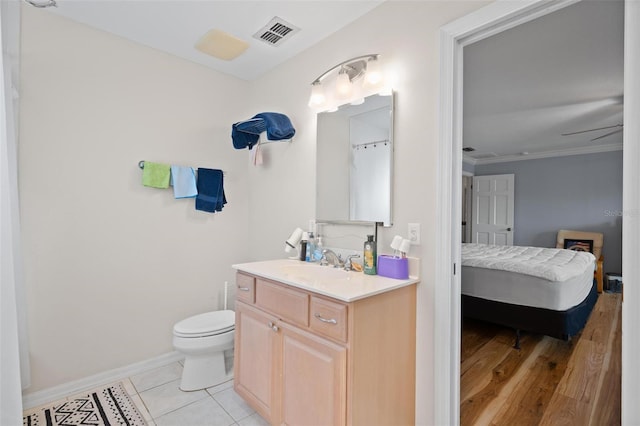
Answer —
(34, 399)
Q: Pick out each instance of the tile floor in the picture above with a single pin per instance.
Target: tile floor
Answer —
(157, 396)
(162, 403)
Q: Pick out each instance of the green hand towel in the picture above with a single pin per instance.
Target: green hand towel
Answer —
(156, 175)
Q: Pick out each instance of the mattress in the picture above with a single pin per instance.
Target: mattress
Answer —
(554, 280)
(549, 263)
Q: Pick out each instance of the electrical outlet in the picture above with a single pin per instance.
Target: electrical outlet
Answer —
(414, 233)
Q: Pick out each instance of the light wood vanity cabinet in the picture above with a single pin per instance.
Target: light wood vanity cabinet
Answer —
(306, 359)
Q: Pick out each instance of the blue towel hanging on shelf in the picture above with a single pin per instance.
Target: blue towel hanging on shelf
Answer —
(246, 133)
(211, 197)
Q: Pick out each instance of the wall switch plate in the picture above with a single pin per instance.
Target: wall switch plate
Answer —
(414, 233)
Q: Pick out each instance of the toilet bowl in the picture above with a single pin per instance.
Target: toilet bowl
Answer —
(203, 339)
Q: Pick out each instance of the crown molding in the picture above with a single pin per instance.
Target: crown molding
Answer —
(546, 154)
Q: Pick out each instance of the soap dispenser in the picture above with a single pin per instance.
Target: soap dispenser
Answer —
(311, 247)
(369, 261)
(317, 252)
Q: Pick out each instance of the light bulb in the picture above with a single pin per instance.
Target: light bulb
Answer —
(317, 97)
(344, 88)
(373, 77)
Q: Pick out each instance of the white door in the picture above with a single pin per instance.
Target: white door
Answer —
(493, 210)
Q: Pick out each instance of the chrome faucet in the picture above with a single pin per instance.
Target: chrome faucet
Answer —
(348, 266)
(330, 258)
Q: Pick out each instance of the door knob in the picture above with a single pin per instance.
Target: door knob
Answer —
(509, 229)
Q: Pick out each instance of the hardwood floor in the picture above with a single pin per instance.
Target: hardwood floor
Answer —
(548, 381)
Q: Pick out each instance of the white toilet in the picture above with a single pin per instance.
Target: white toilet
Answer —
(203, 339)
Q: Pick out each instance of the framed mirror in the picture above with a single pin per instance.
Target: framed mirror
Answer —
(355, 162)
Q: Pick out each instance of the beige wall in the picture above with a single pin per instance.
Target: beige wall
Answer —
(406, 35)
(98, 243)
(112, 265)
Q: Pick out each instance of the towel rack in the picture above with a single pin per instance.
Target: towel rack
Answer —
(141, 165)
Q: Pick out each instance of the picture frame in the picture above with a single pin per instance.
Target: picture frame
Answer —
(578, 245)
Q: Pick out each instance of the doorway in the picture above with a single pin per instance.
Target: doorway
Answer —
(490, 20)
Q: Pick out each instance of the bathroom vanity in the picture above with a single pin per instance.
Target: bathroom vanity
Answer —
(324, 346)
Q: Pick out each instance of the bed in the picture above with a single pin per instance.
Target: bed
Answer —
(541, 290)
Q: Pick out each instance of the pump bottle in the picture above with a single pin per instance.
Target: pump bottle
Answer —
(370, 256)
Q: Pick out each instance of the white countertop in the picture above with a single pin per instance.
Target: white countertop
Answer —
(347, 286)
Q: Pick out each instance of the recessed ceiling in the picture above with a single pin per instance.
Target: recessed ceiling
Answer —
(174, 26)
(560, 73)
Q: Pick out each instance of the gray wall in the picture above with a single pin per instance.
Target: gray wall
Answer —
(468, 167)
(580, 192)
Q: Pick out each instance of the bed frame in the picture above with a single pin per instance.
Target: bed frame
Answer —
(558, 324)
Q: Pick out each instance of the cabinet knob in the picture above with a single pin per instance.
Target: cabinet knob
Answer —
(243, 288)
(273, 326)
(330, 321)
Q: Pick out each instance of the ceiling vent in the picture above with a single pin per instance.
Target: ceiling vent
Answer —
(276, 32)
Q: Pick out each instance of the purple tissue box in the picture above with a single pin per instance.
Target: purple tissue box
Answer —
(393, 267)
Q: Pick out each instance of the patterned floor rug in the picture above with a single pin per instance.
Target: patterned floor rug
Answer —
(105, 406)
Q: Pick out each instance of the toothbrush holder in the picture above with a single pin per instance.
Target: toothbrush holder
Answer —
(393, 267)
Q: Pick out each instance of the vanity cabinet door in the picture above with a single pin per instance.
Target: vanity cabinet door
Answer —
(257, 360)
(314, 379)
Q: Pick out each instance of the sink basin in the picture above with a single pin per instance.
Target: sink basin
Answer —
(313, 273)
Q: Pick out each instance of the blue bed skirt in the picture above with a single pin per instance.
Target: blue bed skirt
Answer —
(558, 324)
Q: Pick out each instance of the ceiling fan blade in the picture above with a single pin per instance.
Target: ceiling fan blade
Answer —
(608, 134)
(592, 130)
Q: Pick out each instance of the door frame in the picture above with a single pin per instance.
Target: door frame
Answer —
(485, 22)
(467, 213)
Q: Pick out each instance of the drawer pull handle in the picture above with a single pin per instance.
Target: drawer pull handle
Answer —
(244, 288)
(273, 326)
(330, 321)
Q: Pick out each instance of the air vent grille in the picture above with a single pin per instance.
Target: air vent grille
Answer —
(276, 32)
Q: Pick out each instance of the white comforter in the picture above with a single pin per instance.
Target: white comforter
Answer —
(548, 263)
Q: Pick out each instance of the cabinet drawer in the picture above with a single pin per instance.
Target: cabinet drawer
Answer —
(245, 288)
(329, 318)
(287, 303)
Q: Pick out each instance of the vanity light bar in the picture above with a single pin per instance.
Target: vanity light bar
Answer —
(366, 67)
(354, 67)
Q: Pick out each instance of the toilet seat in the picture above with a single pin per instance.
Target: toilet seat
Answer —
(204, 325)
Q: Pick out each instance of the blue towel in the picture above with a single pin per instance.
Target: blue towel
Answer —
(278, 126)
(183, 180)
(242, 139)
(246, 133)
(211, 197)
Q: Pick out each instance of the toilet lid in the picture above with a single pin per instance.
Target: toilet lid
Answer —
(209, 323)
